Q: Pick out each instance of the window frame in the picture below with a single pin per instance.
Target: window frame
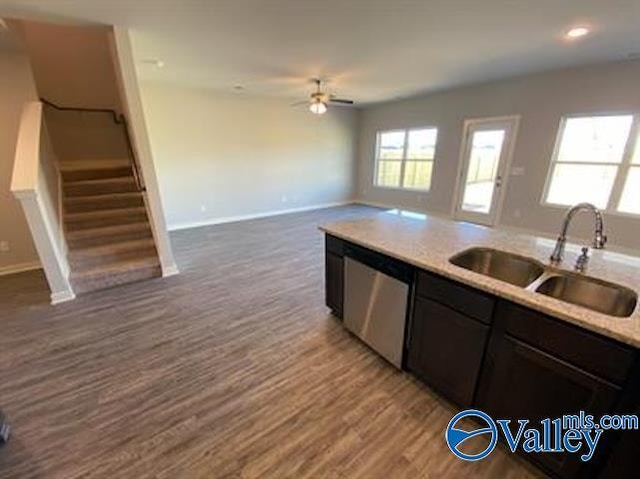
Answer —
(623, 168)
(404, 159)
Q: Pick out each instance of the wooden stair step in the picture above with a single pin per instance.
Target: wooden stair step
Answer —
(86, 171)
(125, 184)
(77, 204)
(98, 218)
(84, 238)
(116, 273)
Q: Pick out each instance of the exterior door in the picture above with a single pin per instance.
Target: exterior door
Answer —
(487, 147)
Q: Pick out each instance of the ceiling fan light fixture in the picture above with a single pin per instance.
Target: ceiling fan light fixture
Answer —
(318, 107)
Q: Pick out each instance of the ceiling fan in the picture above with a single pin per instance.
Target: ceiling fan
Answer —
(319, 100)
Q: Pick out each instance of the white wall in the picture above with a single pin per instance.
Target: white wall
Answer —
(129, 87)
(16, 88)
(224, 155)
(541, 99)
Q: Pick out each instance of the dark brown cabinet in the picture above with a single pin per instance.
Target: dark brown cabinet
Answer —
(521, 381)
(513, 363)
(446, 350)
(334, 274)
(334, 283)
(623, 460)
(525, 383)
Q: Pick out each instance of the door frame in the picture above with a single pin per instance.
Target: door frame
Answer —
(494, 219)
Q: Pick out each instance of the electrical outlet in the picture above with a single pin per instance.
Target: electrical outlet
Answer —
(203, 208)
(4, 246)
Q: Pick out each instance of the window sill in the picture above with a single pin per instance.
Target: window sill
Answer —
(557, 206)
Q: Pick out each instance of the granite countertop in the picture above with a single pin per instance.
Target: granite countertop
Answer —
(428, 242)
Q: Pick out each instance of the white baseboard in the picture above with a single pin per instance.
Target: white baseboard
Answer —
(62, 297)
(20, 268)
(170, 270)
(266, 214)
(375, 204)
(389, 206)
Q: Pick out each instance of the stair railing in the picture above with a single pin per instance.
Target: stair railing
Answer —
(118, 119)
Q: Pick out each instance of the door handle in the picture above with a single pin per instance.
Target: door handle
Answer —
(498, 181)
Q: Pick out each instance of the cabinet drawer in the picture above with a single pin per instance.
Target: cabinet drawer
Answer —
(596, 354)
(334, 245)
(457, 296)
(446, 350)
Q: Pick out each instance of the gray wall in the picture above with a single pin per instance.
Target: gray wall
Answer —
(541, 100)
(222, 156)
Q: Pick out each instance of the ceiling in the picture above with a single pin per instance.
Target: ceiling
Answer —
(370, 50)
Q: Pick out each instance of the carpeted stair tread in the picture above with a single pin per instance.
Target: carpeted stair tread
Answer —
(107, 230)
(77, 204)
(120, 247)
(115, 212)
(97, 164)
(100, 186)
(116, 273)
(116, 267)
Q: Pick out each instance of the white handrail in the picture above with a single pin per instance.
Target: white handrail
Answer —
(32, 183)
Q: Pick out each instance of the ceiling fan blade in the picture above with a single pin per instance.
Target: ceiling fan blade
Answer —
(299, 103)
(341, 100)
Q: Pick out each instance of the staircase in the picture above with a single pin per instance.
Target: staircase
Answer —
(107, 229)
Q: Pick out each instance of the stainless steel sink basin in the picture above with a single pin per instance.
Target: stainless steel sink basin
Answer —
(507, 267)
(592, 293)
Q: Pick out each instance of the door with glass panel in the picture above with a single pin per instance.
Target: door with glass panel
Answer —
(487, 146)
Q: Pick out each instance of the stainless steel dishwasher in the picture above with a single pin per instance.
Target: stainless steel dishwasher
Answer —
(376, 295)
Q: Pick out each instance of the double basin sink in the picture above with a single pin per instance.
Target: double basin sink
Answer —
(574, 288)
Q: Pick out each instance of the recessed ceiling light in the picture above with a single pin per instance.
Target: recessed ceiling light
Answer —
(577, 32)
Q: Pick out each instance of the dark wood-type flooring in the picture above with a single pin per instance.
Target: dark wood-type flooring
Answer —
(233, 369)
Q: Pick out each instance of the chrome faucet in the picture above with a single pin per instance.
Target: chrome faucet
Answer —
(599, 239)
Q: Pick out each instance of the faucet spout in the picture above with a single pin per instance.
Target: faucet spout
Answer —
(599, 238)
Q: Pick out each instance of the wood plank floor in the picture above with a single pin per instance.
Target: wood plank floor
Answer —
(233, 369)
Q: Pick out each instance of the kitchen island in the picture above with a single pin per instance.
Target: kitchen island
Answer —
(502, 348)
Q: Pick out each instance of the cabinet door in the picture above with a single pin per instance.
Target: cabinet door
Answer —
(624, 456)
(522, 382)
(446, 350)
(334, 282)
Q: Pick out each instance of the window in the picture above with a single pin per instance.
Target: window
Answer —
(404, 158)
(630, 199)
(593, 162)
